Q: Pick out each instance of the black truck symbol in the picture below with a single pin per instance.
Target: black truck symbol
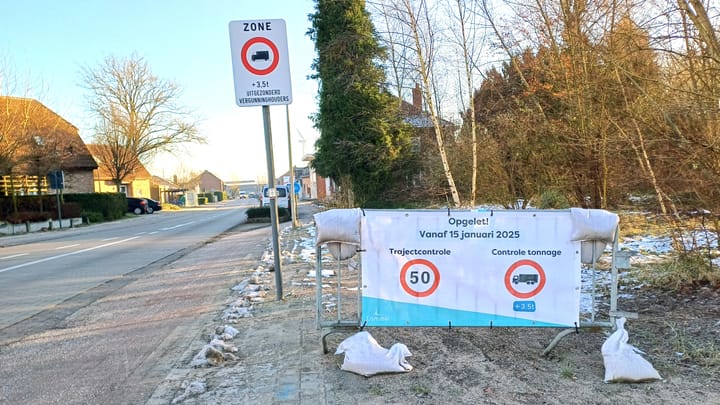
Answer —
(528, 279)
(260, 55)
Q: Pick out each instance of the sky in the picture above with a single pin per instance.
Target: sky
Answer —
(45, 44)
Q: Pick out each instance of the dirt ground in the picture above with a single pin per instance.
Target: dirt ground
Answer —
(679, 332)
(504, 365)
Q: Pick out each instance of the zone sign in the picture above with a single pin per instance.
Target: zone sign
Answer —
(261, 68)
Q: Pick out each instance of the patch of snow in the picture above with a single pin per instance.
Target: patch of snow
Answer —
(192, 389)
(324, 273)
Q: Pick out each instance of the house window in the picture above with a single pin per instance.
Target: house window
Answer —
(123, 189)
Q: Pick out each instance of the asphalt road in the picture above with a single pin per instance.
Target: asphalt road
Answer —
(122, 302)
(39, 271)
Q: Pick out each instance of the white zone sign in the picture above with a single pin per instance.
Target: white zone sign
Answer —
(473, 268)
(261, 69)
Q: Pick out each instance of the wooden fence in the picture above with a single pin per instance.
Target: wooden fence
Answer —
(23, 185)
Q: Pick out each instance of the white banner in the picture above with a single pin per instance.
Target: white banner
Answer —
(473, 268)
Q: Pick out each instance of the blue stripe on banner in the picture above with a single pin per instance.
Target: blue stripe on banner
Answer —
(379, 312)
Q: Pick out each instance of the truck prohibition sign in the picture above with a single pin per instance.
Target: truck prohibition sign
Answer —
(528, 279)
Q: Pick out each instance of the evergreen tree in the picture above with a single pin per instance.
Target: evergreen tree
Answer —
(362, 138)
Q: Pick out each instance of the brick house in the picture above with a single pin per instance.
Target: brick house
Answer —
(208, 182)
(35, 140)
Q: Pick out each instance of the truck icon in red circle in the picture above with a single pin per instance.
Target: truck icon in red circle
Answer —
(528, 279)
(260, 55)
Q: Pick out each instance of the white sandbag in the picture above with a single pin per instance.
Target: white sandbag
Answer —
(623, 362)
(592, 224)
(342, 251)
(364, 356)
(339, 225)
(587, 254)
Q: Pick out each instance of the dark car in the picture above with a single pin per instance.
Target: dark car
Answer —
(153, 206)
(137, 206)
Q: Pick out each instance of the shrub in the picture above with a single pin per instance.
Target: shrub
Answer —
(112, 205)
(552, 199)
(68, 210)
(28, 203)
(682, 271)
(91, 217)
(264, 212)
(258, 212)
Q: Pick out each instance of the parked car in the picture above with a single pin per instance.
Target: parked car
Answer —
(137, 206)
(153, 206)
(282, 196)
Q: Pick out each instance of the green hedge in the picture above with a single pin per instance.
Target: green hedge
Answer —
(111, 206)
(108, 206)
(264, 212)
(215, 196)
(26, 203)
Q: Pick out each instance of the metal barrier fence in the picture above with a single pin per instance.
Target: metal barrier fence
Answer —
(339, 287)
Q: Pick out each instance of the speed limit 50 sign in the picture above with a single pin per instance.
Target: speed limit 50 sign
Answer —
(261, 69)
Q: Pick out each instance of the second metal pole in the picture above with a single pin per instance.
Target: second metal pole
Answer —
(293, 197)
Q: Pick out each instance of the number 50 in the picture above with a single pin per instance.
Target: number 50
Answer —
(416, 276)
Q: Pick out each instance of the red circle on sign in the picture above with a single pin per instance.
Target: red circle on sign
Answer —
(273, 48)
(525, 262)
(409, 289)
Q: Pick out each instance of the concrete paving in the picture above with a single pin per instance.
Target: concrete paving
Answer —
(280, 356)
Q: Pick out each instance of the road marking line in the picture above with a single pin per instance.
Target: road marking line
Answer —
(67, 246)
(47, 259)
(11, 256)
(177, 226)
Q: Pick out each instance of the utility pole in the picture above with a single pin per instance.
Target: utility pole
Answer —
(293, 197)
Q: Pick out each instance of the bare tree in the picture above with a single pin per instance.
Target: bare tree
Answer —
(137, 113)
(584, 93)
(397, 43)
(13, 137)
(12, 120)
(697, 12)
(466, 39)
(115, 152)
(419, 26)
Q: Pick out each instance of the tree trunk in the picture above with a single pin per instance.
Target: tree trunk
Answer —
(425, 74)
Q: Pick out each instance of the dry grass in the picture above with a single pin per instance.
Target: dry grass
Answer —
(687, 346)
(692, 261)
(638, 224)
(687, 270)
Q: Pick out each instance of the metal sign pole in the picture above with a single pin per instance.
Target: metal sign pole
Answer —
(272, 193)
(59, 210)
(261, 72)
